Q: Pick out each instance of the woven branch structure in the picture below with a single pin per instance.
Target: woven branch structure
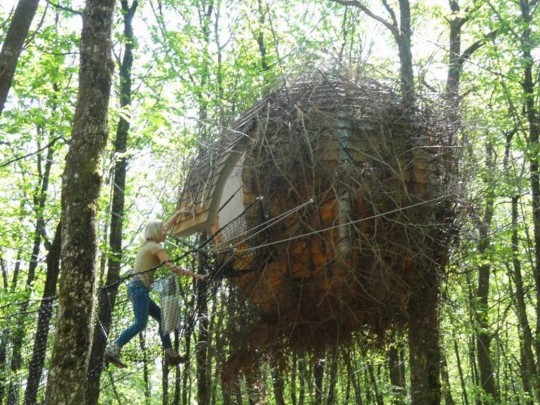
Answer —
(330, 204)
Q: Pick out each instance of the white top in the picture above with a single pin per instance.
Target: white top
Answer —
(147, 259)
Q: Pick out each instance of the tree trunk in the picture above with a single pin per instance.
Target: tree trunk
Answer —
(146, 374)
(35, 367)
(107, 295)
(80, 191)
(302, 375)
(353, 378)
(423, 342)
(203, 388)
(40, 198)
(528, 365)
(279, 387)
(377, 398)
(259, 36)
(423, 339)
(447, 391)
(204, 392)
(529, 373)
(13, 45)
(332, 381)
(483, 337)
(186, 397)
(176, 370)
(457, 353)
(318, 374)
(403, 40)
(527, 10)
(17, 269)
(3, 367)
(293, 378)
(424, 350)
(397, 373)
(402, 34)
(3, 340)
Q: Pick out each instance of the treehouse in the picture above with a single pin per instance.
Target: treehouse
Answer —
(330, 205)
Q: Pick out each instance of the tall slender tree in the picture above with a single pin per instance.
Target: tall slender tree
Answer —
(423, 342)
(44, 165)
(80, 190)
(45, 313)
(13, 45)
(107, 295)
(484, 335)
(528, 9)
(399, 25)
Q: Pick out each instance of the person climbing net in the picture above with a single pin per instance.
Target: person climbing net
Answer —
(150, 257)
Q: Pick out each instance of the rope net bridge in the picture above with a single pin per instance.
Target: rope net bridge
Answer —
(180, 310)
(27, 329)
(34, 321)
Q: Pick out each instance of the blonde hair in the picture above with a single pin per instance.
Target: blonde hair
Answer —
(153, 230)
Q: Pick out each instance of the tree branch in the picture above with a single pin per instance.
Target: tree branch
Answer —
(33, 153)
(59, 7)
(392, 15)
(356, 3)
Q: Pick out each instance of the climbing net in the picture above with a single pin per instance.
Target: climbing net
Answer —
(24, 359)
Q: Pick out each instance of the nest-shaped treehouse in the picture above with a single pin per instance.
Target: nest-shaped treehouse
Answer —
(329, 204)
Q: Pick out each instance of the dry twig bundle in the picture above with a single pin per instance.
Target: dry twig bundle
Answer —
(357, 210)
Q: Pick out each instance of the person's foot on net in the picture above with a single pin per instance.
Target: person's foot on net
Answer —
(112, 355)
(172, 358)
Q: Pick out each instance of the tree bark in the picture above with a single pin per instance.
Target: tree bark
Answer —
(35, 367)
(397, 372)
(531, 113)
(318, 375)
(80, 191)
(483, 337)
(40, 198)
(445, 377)
(279, 387)
(353, 378)
(13, 45)
(528, 365)
(107, 295)
(403, 40)
(333, 379)
(424, 350)
(203, 372)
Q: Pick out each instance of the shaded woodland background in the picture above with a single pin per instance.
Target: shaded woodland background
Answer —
(182, 71)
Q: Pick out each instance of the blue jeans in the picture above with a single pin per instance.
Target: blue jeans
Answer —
(143, 306)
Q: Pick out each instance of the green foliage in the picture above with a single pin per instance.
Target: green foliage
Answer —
(197, 66)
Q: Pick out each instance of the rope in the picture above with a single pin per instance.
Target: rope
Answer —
(230, 198)
(264, 226)
(338, 226)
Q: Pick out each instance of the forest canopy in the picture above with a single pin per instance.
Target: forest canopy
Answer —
(128, 93)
